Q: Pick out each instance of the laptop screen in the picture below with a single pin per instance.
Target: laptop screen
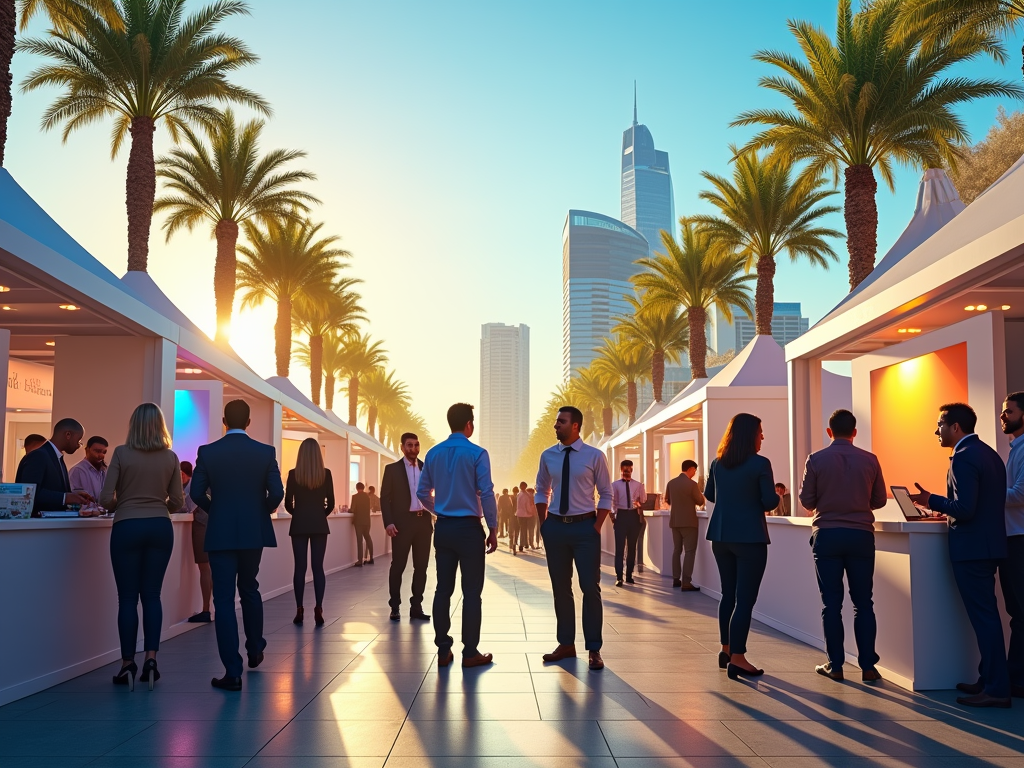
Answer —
(902, 496)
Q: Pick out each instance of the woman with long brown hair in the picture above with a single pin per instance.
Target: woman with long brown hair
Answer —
(309, 499)
(741, 486)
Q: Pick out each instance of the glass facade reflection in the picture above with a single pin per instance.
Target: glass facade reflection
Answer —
(647, 203)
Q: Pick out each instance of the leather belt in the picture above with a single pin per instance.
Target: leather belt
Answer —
(576, 518)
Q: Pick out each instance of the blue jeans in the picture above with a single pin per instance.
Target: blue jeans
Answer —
(741, 568)
(566, 544)
(846, 550)
(140, 549)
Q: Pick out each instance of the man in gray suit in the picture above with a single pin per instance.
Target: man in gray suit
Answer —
(683, 497)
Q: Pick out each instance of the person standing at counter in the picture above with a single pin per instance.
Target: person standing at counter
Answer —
(627, 497)
(142, 488)
(683, 496)
(202, 560)
(309, 499)
(374, 500)
(45, 468)
(90, 473)
(244, 485)
(360, 509)
(843, 485)
(1011, 570)
(975, 508)
(741, 485)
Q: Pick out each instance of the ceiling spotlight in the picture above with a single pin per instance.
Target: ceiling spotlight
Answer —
(1005, 307)
(4, 288)
(7, 309)
(913, 330)
(51, 343)
(982, 307)
(969, 308)
(902, 330)
(69, 307)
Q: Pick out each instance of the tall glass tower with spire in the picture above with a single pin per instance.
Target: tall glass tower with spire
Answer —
(648, 205)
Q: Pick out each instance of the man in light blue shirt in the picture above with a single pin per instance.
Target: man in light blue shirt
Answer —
(455, 485)
(569, 475)
(1011, 570)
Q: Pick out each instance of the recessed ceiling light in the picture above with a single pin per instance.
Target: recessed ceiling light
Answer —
(4, 288)
(1005, 307)
(51, 343)
(902, 330)
(7, 309)
(69, 307)
(969, 308)
(913, 330)
(982, 307)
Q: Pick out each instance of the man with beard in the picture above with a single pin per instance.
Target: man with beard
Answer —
(1011, 570)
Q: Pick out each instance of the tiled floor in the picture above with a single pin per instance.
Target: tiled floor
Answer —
(364, 692)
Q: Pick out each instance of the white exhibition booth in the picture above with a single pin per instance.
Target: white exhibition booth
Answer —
(61, 313)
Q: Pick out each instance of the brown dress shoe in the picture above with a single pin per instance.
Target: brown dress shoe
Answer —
(446, 659)
(972, 689)
(561, 652)
(984, 700)
(870, 675)
(595, 662)
(480, 660)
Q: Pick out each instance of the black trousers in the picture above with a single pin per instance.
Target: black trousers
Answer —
(846, 550)
(627, 533)
(976, 581)
(139, 552)
(1011, 579)
(317, 546)
(741, 568)
(231, 567)
(459, 545)
(414, 535)
(363, 534)
(566, 544)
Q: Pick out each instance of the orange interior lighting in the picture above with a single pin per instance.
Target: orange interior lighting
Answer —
(1005, 307)
(969, 308)
(982, 307)
(69, 307)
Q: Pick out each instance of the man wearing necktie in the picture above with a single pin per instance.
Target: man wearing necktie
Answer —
(569, 475)
(45, 468)
(628, 496)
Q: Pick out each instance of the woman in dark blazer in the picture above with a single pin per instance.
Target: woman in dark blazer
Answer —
(741, 485)
(309, 499)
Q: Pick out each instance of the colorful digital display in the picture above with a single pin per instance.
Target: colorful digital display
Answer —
(191, 422)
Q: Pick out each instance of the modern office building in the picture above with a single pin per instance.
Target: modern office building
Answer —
(504, 392)
(647, 203)
(787, 324)
(598, 255)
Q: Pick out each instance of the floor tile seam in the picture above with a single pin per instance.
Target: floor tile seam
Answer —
(607, 745)
(405, 720)
(725, 724)
(125, 741)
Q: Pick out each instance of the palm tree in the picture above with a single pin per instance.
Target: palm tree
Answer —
(764, 210)
(696, 274)
(600, 393)
(661, 331)
(359, 355)
(335, 314)
(402, 421)
(381, 395)
(154, 65)
(624, 361)
(286, 263)
(225, 184)
(332, 360)
(864, 102)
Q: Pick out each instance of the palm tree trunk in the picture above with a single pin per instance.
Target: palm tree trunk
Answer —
(224, 275)
(140, 192)
(764, 296)
(283, 335)
(696, 317)
(316, 367)
(6, 79)
(861, 212)
(353, 399)
(329, 387)
(371, 420)
(631, 400)
(606, 415)
(589, 421)
(657, 373)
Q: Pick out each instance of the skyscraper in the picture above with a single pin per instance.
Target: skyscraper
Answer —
(787, 324)
(598, 255)
(504, 392)
(647, 202)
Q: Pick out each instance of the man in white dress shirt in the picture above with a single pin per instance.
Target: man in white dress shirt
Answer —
(1011, 570)
(628, 496)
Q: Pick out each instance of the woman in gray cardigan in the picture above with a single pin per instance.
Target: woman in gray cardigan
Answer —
(741, 485)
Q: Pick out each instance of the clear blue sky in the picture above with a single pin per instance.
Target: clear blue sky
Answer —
(450, 139)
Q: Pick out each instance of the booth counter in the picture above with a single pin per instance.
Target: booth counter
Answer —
(60, 601)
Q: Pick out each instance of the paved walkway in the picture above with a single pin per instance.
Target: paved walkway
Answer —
(365, 692)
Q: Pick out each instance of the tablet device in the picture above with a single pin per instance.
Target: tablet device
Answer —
(902, 495)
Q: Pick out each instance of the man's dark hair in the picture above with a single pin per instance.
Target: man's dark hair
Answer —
(962, 414)
(96, 439)
(625, 463)
(575, 415)
(781, 485)
(34, 440)
(1017, 398)
(67, 425)
(360, 487)
(842, 423)
(689, 464)
(186, 467)
(407, 436)
(371, 489)
(236, 414)
(459, 415)
(504, 491)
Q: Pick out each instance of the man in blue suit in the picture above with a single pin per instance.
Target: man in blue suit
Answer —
(974, 506)
(238, 484)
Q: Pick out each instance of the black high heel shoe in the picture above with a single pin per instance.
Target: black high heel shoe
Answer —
(735, 672)
(127, 675)
(150, 674)
(723, 660)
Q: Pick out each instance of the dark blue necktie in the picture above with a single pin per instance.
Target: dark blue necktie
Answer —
(563, 496)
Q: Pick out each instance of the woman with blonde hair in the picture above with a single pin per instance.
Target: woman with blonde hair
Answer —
(309, 499)
(143, 487)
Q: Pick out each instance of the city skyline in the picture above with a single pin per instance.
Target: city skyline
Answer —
(646, 199)
(504, 392)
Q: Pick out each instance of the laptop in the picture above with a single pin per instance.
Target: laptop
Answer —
(910, 511)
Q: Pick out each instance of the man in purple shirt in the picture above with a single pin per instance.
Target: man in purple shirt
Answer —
(843, 484)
